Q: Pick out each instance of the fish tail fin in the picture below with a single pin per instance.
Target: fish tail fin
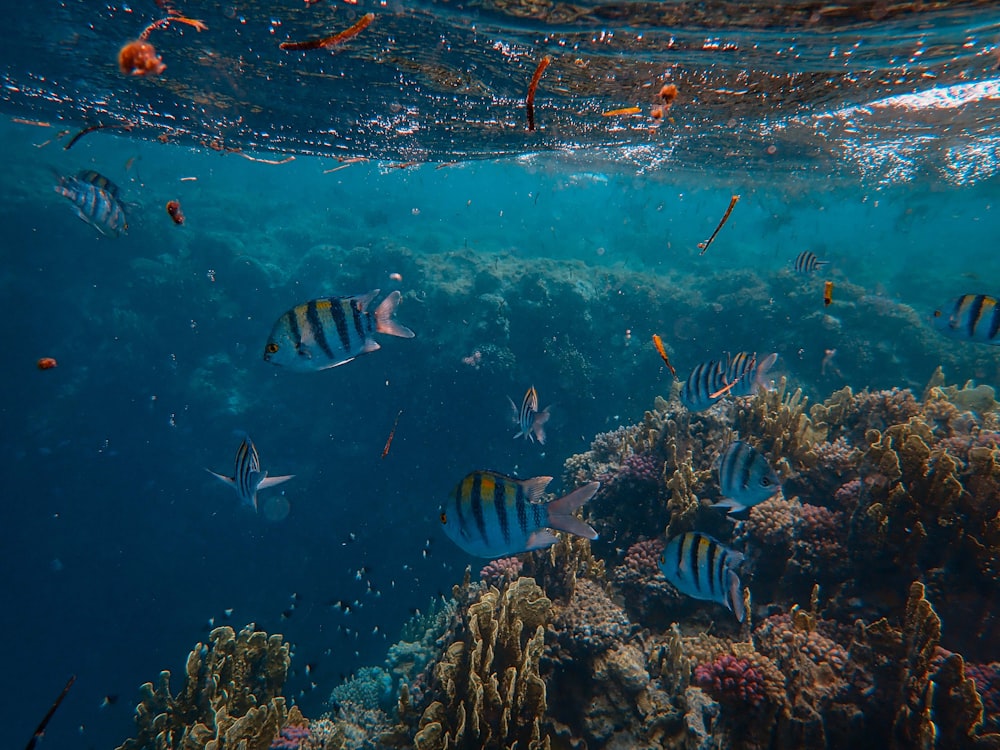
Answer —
(228, 480)
(763, 367)
(561, 511)
(384, 322)
(730, 504)
(735, 592)
(538, 424)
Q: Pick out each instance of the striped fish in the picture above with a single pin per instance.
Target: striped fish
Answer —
(248, 478)
(739, 375)
(530, 421)
(96, 201)
(491, 515)
(745, 477)
(971, 317)
(807, 262)
(699, 566)
(331, 331)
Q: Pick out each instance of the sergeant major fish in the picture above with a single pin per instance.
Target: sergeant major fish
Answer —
(492, 515)
(807, 262)
(248, 478)
(701, 567)
(971, 317)
(745, 477)
(96, 201)
(530, 421)
(331, 331)
(739, 375)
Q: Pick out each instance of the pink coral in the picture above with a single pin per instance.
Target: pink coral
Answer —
(987, 679)
(848, 495)
(838, 457)
(501, 571)
(644, 557)
(773, 521)
(731, 680)
(291, 738)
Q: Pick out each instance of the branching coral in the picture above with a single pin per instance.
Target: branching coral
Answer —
(487, 689)
(230, 699)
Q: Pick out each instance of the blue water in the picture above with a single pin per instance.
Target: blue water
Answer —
(117, 548)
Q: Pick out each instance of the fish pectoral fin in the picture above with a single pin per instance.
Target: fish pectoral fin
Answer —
(541, 540)
(732, 505)
(267, 481)
(336, 364)
(370, 345)
(228, 480)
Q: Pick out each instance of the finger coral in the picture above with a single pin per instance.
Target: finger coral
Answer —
(230, 698)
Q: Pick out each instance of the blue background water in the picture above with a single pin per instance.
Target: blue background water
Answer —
(116, 547)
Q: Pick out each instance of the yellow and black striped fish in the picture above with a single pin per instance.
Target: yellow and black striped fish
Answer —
(331, 331)
(739, 375)
(96, 200)
(703, 568)
(491, 515)
(971, 317)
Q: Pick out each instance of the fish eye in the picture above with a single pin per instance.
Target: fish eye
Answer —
(937, 313)
(663, 558)
(766, 481)
(271, 348)
(444, 517)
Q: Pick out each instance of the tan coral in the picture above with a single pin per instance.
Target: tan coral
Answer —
(489, 692)
(231, 696)
(779, 420)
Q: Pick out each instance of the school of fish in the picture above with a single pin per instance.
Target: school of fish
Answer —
(489, 514)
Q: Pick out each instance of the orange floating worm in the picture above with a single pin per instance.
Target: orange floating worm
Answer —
(658, 343)
(827, 293)
(392, 434)
(725, 217)
(530, 100)
(331, 41)
(622, 111)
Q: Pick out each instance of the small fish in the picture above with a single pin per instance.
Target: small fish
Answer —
(331, 331)
(739, 375)
(492, 515)
(745, 477)
(807, 262)
(699, 566)
(96, 201)
(46, 363)
(827, 293)
(530, 421)
(971, 317)
(248, 478)
(109, 700)
(658, 343)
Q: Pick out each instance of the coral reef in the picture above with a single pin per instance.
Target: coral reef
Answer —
(889, 503)
(732, 681)
(231, 696)
(499, 572)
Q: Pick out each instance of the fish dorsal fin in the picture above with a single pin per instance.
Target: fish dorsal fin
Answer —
(366, 299)
(98, 180)
(535, 487)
